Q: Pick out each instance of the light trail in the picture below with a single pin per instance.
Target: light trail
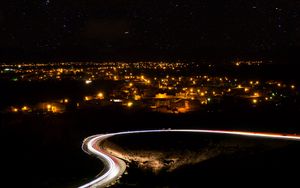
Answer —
(115, 167)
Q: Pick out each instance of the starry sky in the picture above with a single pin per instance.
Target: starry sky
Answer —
(95, 29)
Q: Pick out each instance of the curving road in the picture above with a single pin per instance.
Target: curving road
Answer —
(115, 167)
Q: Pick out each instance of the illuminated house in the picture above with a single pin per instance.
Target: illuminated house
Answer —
(54, 107)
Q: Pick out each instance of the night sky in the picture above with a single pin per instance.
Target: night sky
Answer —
(95, 29)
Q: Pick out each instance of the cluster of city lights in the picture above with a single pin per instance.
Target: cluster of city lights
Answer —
(160, 86)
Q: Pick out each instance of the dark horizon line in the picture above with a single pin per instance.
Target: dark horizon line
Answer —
(285, 56)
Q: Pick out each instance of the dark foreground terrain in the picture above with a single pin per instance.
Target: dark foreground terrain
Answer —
(45, 150)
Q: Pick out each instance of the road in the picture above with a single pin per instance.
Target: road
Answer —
(115, 167)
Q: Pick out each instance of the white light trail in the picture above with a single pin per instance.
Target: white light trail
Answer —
(115, 167)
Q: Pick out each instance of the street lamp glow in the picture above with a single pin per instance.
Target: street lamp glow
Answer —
(100, 95)
(24, 108)
(87, 98)
(129, 104)
(88, 82)
(256, 94)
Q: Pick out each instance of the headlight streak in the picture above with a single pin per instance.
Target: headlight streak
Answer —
(115, 167)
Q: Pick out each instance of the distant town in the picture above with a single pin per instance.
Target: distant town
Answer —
(155, 86)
